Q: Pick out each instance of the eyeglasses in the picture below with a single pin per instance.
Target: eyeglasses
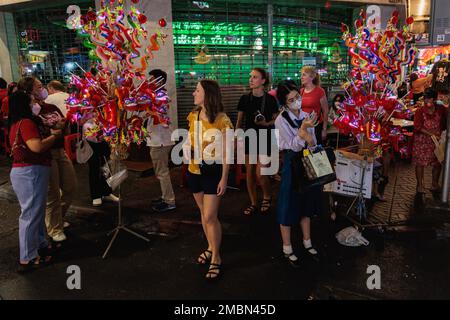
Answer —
(291, 100)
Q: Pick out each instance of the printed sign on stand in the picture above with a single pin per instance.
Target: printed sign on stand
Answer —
(348, 174)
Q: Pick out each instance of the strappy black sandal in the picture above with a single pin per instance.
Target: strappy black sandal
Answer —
(266, 205)
(250, 210)
(214, 271)
(204, 257)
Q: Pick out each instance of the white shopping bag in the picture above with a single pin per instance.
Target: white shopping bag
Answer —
(320, 163)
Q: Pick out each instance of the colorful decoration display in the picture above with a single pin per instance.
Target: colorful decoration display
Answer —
(377, 57)
(116, 92)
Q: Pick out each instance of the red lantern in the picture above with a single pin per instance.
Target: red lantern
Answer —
(358, 24)
(142, 18)
(91, 16)
(344, 27)
(162, 22)
(410, 20)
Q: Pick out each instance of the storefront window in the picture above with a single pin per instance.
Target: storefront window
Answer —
(47, 48)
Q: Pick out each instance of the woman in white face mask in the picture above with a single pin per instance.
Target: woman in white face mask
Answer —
(296, 132)
(62, 184)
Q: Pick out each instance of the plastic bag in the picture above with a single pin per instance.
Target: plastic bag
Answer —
(351, 237)
(116, 179)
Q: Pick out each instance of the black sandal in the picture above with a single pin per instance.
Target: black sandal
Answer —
(204, 257)
(250, 210)
(215, 270)
(266, 205)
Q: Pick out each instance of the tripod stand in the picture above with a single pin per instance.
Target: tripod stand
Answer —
(120, 225)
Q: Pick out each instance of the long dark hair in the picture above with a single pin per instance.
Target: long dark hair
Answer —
(213, 99)
(26, 84)
(19, 107)
(283, 89)
(339, 96)
(413, 77)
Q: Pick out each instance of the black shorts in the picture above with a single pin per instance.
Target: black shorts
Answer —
(206, 183)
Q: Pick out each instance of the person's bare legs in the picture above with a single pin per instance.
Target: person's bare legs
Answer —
(204, 256)
(419, 178)
(265, 186)
(251, 184)
(436, 174)
(214, 229)
(305, 224)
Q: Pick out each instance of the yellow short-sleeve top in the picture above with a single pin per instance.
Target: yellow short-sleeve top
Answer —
(222, 123)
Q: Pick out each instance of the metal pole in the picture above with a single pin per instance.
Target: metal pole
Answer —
(270, 38)
(446, 180)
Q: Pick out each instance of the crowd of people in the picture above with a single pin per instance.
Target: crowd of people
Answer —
(37, 124)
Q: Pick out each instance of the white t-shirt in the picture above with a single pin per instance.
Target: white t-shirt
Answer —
(160, 135)
(59, 100)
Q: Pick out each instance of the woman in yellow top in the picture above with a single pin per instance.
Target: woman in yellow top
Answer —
(208, 173)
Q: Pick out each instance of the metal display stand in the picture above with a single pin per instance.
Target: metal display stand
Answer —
(120, 224)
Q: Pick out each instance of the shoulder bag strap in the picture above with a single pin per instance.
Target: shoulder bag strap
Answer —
(198, 133)
(286, 116)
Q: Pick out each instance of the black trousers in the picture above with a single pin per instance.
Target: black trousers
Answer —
(97, 182)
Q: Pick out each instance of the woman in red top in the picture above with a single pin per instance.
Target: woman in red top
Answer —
(314, 98)
(429, 120)
(29, 177)
(63, 181)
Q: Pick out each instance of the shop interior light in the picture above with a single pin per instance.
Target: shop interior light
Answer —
(69, 66)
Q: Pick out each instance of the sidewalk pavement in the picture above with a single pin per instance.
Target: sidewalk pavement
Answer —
(414, 265)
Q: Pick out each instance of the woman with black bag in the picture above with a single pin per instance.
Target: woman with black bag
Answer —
(207, 172)
(296, 132)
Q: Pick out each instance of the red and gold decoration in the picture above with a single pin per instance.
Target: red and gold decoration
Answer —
(377, 57)
(117, 93)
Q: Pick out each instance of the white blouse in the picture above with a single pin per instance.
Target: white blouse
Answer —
(288, 138)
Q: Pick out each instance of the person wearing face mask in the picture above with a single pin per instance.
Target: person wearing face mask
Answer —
(429, 120)
(29, 175)
(296, 132)
(62, 184)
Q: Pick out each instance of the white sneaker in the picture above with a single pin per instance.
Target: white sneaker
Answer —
(97, 202)
(111, 197)
(66, 224)
(59, 237)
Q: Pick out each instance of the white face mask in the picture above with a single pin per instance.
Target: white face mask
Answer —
(36, 108)
(42, 94)
(296, 105)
